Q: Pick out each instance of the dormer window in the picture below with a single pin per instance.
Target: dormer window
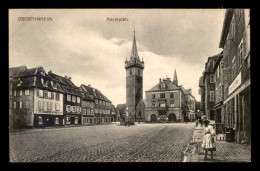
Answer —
(42, 73)
(52, 83)
(163, 85)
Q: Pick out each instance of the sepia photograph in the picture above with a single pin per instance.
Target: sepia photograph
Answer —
(129, 85)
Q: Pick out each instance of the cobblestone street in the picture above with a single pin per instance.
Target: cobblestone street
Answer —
(104, 143)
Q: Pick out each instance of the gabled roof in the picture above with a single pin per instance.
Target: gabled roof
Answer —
(95, 93)
(62, 80)
(121, 108)
(15, 71)
(169, 86)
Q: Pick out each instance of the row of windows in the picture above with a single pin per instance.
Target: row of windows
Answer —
(88, 112)
(21, 105)
(163, 104)
(73, 109)
(21, 92)
(162, 95)
(48, 106)
(73, 98)
(40, 120)
(100, 102)
(87, 104)
(45, 83)
(47, 94)
(102, 111)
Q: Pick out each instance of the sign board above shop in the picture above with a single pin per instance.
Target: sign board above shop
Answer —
(235, 84)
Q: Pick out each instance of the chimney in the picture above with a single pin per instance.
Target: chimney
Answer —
(89, 85)
(69, 78)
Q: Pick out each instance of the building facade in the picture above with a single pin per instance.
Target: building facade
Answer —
(219, 89)
(37, 99)
(134, 83)
(209, 84)
(165, 102)
(88, 108)
(72, 99)
(190, 102)
(235, 41)
(101, 111)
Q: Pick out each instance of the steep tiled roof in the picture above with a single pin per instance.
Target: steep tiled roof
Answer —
(15, 71)
(169, 86)
(95, 93)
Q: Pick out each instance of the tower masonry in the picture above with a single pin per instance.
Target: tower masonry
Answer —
(134, 83)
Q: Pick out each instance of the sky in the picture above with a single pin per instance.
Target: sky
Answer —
(91, 48)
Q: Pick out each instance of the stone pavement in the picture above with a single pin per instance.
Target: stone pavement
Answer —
(225, 152)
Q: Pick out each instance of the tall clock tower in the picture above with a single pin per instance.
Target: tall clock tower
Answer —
(134, 83)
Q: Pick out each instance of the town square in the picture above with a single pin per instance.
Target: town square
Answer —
(129, 85)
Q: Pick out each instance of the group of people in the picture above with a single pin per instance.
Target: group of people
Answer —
(208, 143)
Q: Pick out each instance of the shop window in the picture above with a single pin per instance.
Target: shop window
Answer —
(27, 92)
(68, 97)
(68, 120)
(40, 120)
(76, 121)
(57, 120)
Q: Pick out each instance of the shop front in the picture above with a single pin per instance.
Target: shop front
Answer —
(43, 120)
(72, 120)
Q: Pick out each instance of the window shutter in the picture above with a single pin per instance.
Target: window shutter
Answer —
(52, 95)
(39, 105)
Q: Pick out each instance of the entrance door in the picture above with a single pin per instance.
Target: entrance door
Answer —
(172, 118)
(72, 119)
(153, 118)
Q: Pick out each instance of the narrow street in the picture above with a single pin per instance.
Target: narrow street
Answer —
(104, 143)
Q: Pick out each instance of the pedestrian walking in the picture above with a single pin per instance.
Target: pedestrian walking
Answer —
(208, 143)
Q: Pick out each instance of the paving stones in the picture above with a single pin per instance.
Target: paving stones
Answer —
(106, 143)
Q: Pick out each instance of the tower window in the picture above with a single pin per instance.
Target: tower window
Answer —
(130, 71)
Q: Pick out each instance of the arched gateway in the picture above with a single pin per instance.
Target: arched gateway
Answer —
(153, 118)
(172, 117)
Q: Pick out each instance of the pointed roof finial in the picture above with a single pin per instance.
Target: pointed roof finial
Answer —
(134, 53)
(175, 79)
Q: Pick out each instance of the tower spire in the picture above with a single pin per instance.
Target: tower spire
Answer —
(134, 53)
(175, 79)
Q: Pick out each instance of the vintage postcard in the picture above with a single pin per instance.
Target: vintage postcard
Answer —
(129, 85)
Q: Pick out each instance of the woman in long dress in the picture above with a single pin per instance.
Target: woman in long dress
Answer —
(208, 141)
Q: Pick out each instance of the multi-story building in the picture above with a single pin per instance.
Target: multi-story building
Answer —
(209, 85)
(13, 77)
(202, 96)
(113, 113)
(134, 84)
(219, 90)
(102, 105)
(37, 99)
(72, 99)
(88, 107)
(190, 103)
(165, 101)
(235, 41)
